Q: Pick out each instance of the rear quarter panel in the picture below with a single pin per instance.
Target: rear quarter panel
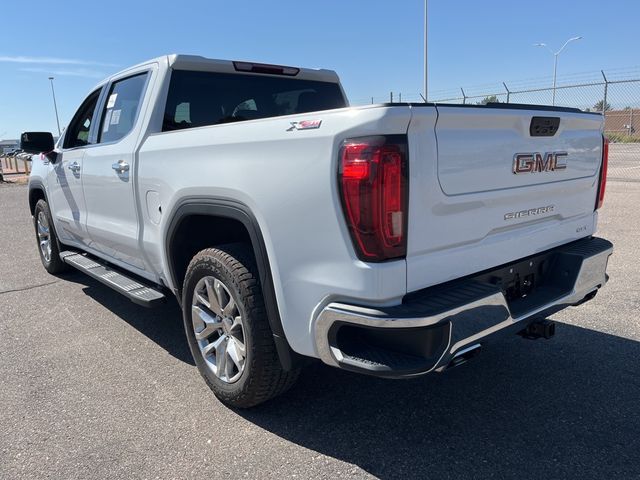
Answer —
(288, 179)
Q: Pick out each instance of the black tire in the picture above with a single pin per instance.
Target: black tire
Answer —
(263, 377)
(54, 264)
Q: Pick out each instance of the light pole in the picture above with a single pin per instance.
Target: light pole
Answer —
(555, 61)
(55, 106)
(426, 82)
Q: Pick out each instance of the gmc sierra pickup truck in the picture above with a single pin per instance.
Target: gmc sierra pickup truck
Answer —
(392, 239)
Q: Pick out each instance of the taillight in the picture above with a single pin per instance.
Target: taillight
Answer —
(603, 172)
(374, 192)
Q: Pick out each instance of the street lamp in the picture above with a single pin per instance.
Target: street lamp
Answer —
(425, 53)
(555, 61)
(55, 106)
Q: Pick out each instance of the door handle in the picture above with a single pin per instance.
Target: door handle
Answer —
(120, 166)
(74, 167)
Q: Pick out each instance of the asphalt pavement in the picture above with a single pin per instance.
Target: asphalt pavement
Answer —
(93, 386)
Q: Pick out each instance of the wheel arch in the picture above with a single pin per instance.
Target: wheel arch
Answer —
(36, 192)
(225, 210)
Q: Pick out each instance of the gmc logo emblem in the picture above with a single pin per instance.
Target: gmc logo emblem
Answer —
(538, 162)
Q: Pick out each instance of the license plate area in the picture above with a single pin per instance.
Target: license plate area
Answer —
(536, 281)
(521, 279)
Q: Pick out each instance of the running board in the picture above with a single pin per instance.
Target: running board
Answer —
(130, 288)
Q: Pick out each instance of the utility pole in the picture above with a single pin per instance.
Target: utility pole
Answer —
(426, 70)
(55, 105)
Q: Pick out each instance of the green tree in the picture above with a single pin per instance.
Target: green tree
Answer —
(488, 99)
(598, 106)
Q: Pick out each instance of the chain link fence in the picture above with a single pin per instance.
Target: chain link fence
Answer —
(615, 93)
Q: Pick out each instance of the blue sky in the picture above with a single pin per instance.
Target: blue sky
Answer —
(374, 45)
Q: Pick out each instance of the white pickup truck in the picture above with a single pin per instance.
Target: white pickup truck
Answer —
(392, 239)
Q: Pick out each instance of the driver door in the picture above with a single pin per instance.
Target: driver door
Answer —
(65, 176)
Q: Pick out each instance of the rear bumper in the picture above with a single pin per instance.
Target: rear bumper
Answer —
(431, 327)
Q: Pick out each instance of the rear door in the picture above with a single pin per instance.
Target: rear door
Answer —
(499, 184)
(109, 171)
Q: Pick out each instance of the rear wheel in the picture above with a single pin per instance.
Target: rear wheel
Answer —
(47, 240)
(227, 328)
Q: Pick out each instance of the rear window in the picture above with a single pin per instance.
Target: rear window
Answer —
(197, 99)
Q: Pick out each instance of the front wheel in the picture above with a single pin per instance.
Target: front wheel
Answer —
(47, 240)
(227, 328)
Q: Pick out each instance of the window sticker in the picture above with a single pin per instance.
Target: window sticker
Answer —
(112, 100)
(107, 121)
(115, 117)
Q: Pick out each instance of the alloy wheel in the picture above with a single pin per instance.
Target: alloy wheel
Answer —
(44, 236)
(218, 329)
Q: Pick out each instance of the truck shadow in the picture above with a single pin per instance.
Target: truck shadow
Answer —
(564, 408)
(163, 325)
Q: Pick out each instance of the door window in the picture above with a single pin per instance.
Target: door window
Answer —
(120, 112)
(77, 134)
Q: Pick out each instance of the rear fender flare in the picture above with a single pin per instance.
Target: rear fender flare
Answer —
(232, 209)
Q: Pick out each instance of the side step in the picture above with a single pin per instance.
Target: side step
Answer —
(130, 288)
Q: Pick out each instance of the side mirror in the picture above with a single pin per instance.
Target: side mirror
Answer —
(36, 142)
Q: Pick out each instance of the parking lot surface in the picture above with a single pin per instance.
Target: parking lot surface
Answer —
(93, 386)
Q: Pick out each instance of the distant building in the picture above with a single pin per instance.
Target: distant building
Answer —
(623, 122)
(7, 146)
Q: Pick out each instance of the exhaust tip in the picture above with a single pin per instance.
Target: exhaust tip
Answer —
(464, 355)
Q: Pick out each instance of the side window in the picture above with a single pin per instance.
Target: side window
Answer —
(121, 109)
(77, 135)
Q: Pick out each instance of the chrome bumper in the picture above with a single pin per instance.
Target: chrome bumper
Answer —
(463, 313)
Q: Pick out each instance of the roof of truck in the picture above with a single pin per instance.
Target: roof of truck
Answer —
(197, 62)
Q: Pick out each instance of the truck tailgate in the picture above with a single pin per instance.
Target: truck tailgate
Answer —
(492, 185)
